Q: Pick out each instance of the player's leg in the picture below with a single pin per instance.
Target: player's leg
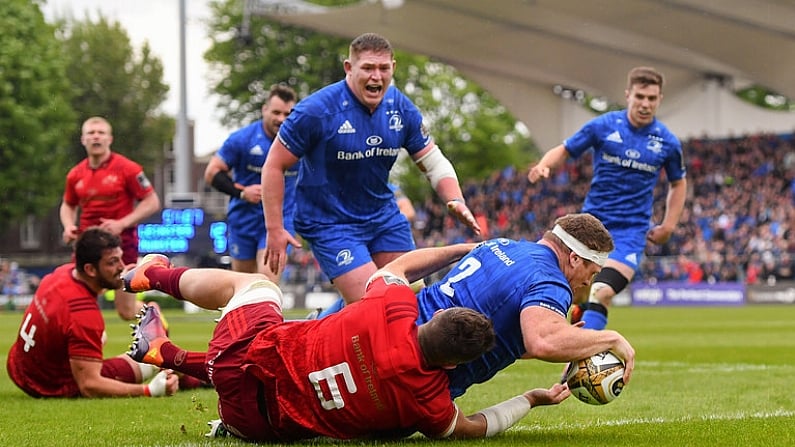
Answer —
(618, 271)
(255, 307)
(208, 288)
(243, 251)
(125, 369)
(127, 305)
(351, 284)
(264, 268)
(609, 282)
(152, 346)
(244, 265)
(344, 257)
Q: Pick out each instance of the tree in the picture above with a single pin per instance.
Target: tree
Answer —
(472, 128)
(112, 80)
(34, 112)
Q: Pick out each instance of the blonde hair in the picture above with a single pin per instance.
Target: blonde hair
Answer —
(97, 119)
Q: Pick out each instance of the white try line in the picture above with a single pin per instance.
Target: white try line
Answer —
(662, 367)
(641, 421)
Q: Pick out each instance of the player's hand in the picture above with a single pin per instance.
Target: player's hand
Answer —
(552, 396)
(112, 226)
(70, 234)
(659, 235)
(165, 383)
(462, 213)
(276, 249)
(537, 172)
(252, 193)
(625, 352)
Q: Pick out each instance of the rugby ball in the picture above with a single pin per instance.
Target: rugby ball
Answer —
(596, 380)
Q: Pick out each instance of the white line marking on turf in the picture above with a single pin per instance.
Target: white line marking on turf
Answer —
(640, 421)
(708, 367)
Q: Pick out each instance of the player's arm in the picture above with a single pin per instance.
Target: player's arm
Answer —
(444, 180)
(548, 336)
(498, 418)
(418, 264)
(68, 215)
(279, 159)
(216, 174)
(87, 374)
(548, 163)
(146, 207)
(674, 205)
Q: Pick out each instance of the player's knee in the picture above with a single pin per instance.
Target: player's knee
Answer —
(611, 278)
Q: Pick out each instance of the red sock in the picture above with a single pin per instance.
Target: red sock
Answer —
(186, 362)
(166, 279)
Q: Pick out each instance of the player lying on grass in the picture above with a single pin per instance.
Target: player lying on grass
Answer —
(526, 289)
(367, 371)
(58, 351)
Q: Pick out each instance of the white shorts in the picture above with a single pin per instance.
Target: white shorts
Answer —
(259, 291)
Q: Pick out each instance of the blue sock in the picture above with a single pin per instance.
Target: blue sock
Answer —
(334, 308)
(594, 320)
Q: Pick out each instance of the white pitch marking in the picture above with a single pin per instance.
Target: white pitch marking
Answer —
(638, 421)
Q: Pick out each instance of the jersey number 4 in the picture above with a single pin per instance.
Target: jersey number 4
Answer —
(26, 333)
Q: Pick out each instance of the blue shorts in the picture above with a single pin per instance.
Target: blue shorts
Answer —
(243, 245)
(630, 245)
(340, 248)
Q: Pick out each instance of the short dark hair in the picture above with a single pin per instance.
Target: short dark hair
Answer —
(644, 76)
(585, 228)
(284, 92)
(456, 335)
(91, 245)
(370, 42)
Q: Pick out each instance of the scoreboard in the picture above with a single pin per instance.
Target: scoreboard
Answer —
(183, 231)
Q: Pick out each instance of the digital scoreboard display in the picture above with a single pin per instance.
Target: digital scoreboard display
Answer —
(184, 231)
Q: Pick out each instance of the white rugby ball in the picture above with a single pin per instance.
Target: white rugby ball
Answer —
(596, 380)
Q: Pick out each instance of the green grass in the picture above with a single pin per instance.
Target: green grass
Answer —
(704, 377)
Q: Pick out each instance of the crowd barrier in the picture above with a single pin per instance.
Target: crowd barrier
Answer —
(676, 293)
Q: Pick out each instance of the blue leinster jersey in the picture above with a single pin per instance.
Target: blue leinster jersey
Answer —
(346, 153)
(499, 278)
(627, 163)
(244, 151)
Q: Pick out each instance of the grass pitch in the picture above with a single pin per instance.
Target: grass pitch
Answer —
(703, 377)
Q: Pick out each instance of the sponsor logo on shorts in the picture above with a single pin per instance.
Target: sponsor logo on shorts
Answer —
(344, 257)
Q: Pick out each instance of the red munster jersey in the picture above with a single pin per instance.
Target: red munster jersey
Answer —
(109, 191)
(62, 321)
(356, 373)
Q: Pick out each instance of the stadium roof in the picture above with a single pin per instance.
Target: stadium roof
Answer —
(519, 49)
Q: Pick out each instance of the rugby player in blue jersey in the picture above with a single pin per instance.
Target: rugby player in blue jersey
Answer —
(526, 289)
(242, 155)
(630, 148)
(347, 136)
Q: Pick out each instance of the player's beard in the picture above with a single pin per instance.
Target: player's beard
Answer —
(114, 282)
